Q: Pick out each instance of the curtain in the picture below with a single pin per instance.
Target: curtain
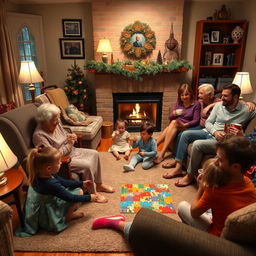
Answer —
(12, 89)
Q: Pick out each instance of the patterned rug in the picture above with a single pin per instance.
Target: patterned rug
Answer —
(153, 196)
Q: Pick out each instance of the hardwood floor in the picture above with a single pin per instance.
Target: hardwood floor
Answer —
(103, 147)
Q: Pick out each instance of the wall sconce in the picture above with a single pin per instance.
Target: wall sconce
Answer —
(104, 47)
(7, 160)
(242, 79)
(29, 75)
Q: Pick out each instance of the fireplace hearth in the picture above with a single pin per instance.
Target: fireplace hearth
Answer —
(136, 108)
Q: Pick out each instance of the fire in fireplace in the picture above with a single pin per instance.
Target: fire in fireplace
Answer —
(136, 108)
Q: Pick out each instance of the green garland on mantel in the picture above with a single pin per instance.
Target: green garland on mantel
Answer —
(136, 69)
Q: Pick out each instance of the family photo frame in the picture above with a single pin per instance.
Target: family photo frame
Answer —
(72, 48)
(215, 36)
(72, 27)
(206, 38)
(217, 59)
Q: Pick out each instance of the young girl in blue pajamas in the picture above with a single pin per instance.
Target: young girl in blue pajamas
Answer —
(147, 148)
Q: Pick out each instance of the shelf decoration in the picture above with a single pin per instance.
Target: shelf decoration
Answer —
(137, 68)
(137, 40)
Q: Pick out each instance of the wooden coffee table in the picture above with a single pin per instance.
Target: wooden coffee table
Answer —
(14, 181)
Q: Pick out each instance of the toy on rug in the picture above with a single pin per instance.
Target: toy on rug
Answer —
(153, 196)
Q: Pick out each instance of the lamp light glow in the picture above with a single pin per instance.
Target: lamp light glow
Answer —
(242, 79)
(104, 47)
(7, 160)
(29, 75)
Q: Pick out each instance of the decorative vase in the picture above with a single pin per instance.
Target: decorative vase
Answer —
(237, 34)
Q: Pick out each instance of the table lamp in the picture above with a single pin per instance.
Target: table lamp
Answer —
(242, 79)
(29, 75)
(7, 160)
(104, 47)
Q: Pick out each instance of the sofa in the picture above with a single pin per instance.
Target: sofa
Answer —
(249, 128)
(154, 234)
(91, 134)
(6, 232)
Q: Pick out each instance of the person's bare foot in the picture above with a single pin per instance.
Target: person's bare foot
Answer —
(158, 160)
(185, 181)
(173, 173)
(105, 188)
(76, 215)
(126, 157)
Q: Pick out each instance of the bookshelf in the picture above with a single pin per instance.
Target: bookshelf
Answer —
(216, 57)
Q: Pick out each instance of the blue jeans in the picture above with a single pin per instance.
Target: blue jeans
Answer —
(199, 149)
(147, 161)
(185, 138)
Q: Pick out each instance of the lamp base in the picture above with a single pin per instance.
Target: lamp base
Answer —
(105, 58)
(3, 181)
(32, 92)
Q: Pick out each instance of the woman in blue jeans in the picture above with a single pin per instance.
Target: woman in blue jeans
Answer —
(208, 101)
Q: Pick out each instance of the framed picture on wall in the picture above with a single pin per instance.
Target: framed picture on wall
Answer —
(72, 28)
(72, 48)
(206, 38)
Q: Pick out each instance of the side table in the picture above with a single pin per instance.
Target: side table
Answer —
(106, 129)
(14, 181)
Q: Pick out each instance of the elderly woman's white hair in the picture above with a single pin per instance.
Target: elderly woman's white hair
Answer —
(46, 111)
(208, 88)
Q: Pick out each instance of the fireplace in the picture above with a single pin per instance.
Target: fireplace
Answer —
(136, 108)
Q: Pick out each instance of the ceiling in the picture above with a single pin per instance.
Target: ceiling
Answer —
(83, 1)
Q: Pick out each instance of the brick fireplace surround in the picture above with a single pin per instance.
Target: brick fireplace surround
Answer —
(106, 84)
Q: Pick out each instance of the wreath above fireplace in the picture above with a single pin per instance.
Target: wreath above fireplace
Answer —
(137, 40)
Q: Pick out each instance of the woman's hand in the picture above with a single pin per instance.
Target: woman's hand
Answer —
(86, 183)
(71, 139)
(181, 126)
(206, 110)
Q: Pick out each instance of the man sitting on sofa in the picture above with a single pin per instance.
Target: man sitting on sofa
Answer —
(235, 155)
(229, 111)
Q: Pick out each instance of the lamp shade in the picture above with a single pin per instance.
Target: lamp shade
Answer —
(242, 79)
(104, 46)
(7, 158)
(28, 73)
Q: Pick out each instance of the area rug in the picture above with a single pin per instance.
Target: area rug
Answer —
(79, 237)
(152, 196)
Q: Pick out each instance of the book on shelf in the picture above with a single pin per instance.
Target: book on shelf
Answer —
(207, 80)
(230, 59)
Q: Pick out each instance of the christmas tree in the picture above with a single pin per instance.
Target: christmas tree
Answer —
(159, 59)
(75, 85)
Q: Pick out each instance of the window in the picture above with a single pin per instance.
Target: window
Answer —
(27, 51)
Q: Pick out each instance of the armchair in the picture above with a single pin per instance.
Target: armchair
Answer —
(17, 127)
(91, 134)
(6, 237)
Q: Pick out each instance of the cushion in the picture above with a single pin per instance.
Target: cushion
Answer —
(240, 226)
(70, 121)
(75, 114)
(58, 97)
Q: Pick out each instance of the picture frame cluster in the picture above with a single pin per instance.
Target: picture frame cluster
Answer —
(72, 43)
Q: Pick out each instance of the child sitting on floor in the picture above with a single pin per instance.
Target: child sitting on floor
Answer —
(147, 148)
(51, 200)
(120, 140)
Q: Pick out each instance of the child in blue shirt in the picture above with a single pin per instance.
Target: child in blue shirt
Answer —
(147, 148)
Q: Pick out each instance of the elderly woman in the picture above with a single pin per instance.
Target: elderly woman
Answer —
(85, 162)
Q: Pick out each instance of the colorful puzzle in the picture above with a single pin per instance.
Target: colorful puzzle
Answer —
(153, 196)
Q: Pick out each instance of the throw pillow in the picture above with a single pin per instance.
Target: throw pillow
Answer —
(240, 225)
(70, 121)
(75, 114)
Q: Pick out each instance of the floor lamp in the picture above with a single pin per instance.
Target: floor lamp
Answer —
(7, 160)
(29, 75)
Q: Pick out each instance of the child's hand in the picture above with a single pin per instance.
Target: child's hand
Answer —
(142, 153)
(87, 183)
(94, 197)
(117, 132)
(134, 138)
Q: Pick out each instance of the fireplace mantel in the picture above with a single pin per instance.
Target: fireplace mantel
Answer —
(107, 84)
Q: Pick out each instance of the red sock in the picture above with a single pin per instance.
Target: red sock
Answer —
(108, 222)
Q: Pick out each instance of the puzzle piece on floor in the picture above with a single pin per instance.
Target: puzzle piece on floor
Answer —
(153, 196)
